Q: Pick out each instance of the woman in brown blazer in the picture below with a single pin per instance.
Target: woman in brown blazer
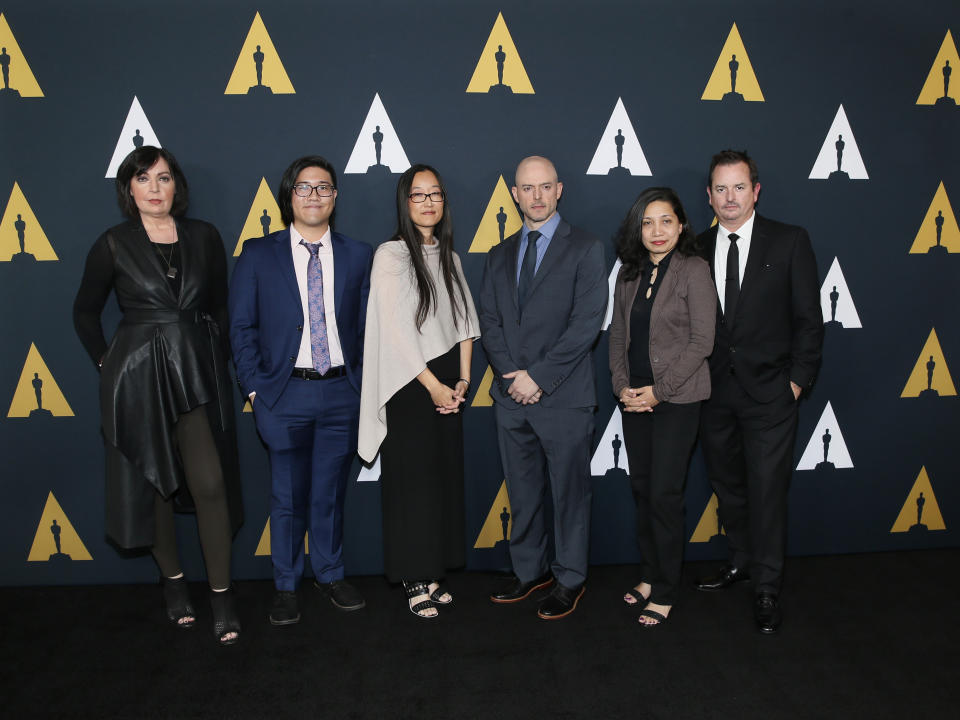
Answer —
(664, 316)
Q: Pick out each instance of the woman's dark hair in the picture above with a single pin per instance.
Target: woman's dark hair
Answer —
(630, 247)
(285, 192)
(137, 163)
(408, 234)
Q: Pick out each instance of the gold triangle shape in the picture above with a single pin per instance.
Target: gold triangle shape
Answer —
(264, 211)
(55, 526)
(18, 219)
(930, 375)
(481, 398)
(500, 50)
(499, 210)
(733, 59)
(263, 547)
(709, 523)
(942, 73)
(258, 49)
(37, 392)
(18, 79)
(940, 218)
(493, 530)
(921, 509)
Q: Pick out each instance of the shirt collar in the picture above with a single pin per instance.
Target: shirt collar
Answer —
(546, 230)
(744, 232)
(296, 237)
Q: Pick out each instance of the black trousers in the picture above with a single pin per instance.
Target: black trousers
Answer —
(659, 445)
(748, 448)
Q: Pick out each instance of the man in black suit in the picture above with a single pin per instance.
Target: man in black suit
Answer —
(541, 308)
(766, 353)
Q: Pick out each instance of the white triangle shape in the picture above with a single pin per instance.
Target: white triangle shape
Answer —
(605, 157)
(372, 473)
(364, 151)
(611, 284)
(136, 123)
(837, 452)
(602, 459)
(851, 162)
(846, 312)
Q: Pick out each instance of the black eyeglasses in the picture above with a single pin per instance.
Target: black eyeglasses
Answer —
(305, 190)
(419, 197)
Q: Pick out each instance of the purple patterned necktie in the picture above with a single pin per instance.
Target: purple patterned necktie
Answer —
(318, 318)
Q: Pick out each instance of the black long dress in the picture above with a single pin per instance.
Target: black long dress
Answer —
(167, 357)
(421, 463)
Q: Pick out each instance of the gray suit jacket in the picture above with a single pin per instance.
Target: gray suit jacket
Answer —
(560, 322)
(682, 324)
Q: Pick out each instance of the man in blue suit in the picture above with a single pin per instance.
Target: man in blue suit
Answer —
(298, 305)
(541, 308)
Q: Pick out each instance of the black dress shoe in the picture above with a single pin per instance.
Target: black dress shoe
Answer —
(560, 602)
(515, 589)
(766, 611)
(343, 595)
(284, 610)
(728, 575)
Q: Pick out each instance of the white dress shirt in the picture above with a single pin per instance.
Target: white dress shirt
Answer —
(744, 234)
(301, 258)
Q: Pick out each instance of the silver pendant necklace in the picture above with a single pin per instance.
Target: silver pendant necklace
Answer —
(171, 269)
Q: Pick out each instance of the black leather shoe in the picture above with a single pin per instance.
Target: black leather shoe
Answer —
(343, 595)
(560, 602)
(284, 610)
(766, 611)
(515, 590)
(727, 576)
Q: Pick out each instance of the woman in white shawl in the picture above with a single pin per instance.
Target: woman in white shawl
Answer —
(421, 324)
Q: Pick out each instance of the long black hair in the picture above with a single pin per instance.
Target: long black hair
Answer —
(408, 234)
(630, 247)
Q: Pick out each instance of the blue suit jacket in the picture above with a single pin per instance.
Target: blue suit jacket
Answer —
(560, 323)
(266, 317)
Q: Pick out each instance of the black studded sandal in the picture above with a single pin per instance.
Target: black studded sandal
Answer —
(419, 609)
(441, 592)
(225, 619)
(176, 600)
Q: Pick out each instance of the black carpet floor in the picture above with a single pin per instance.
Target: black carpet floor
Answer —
(865, 636)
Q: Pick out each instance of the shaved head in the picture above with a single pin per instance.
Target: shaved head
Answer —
(537, 190)
(532, 162)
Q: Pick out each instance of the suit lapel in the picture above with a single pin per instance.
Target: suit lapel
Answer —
(511, 248)
(558, 245)
(666, 289)
(340, 270)
(284, 255)
(758, 251)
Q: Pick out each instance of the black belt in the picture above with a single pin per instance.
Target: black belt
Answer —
(311, 374)
(150, 317)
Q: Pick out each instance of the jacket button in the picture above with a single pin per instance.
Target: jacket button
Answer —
(299, 328)
(732, 350)
(293, 359)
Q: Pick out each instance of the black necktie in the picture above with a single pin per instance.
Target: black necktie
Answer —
(732, 284)
(528, 269)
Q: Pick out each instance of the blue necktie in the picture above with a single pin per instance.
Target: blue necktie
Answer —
(318, 319)
(528, 269)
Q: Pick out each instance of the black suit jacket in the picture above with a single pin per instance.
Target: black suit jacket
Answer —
(777, 333)
(560, 323)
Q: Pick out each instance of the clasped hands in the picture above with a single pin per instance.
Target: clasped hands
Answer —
(639, 399)
(524, 388)
(447, 399)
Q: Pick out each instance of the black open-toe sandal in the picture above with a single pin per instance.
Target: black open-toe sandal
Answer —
(419, 588)
(176, 600)
(638, 599)
(225, 619)
(437, 595)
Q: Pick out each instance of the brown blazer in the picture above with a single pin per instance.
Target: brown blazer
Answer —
(682, 326)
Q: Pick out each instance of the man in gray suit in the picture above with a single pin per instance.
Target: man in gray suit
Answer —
(541, 309)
